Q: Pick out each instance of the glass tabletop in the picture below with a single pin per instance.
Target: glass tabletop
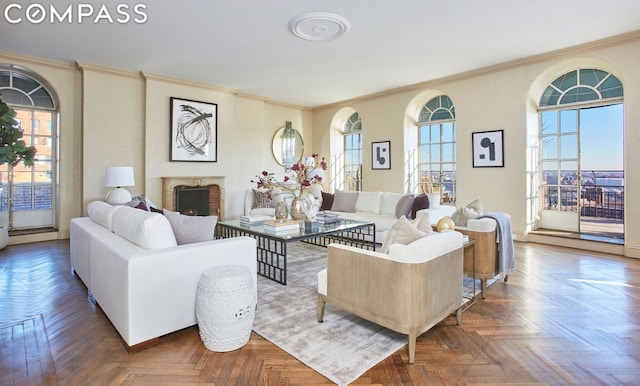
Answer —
(300, 232)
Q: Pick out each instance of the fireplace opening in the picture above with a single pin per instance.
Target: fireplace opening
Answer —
(189, 200)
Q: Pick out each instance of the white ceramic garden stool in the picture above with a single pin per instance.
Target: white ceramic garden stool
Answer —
(225, 307)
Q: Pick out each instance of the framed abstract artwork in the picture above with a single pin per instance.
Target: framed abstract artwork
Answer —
(488, 149)
(194, 131)
(381, 155)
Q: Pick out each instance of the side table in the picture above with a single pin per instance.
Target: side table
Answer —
(225, 307)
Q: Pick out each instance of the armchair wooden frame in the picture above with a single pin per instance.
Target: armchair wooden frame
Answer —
(408, 298)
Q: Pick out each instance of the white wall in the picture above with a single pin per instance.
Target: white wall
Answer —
(499, 98)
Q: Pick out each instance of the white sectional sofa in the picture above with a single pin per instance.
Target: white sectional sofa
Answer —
(140, 277)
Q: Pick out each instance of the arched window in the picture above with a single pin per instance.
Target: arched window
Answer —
(581, 157)
(437, 148)
(32, 192)
(353, 153)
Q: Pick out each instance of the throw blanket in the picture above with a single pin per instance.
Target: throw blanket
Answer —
(506, 254)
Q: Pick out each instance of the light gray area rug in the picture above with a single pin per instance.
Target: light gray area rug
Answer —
(344, 346)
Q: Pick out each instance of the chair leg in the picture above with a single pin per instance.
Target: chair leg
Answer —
(320, 308)
(459, 316)
(506, 277)
(412, 345)
(483, 287)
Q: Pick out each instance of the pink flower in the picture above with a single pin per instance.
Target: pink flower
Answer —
(265, 173)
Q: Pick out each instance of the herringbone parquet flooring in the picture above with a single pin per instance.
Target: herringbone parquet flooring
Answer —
(566, 317)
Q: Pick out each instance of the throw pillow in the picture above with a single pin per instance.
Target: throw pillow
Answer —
(142, 205)
(344, 201)
(421, 201)
(467, 212)
(402, 232)
(434, 200)
(327, 201)
(155, 210)
(423, 223)
(261, 199)
(405, 206)
(191, 229)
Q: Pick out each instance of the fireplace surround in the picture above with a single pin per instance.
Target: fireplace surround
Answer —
(215, 184)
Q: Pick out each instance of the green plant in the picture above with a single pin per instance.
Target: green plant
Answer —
(13, 148)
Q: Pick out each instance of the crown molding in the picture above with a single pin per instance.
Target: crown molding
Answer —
(38, 60)
(601, 43)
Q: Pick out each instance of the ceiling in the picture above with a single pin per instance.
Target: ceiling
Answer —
(247, 45)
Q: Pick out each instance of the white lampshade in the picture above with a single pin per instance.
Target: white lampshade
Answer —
(118, 176)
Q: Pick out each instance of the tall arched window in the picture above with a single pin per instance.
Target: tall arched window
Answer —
(437, 148)
(353, 153)
(32, 190)
(581, 158)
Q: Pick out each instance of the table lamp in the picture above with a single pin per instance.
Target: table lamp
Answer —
(117, 177)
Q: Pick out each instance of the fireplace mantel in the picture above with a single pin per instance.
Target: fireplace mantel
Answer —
(169, 184)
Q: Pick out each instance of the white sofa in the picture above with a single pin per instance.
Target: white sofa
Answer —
(144, 282)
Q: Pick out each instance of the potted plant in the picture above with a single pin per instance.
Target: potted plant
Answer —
(13, 150)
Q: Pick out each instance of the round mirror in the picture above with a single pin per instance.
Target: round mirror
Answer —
(287, 146)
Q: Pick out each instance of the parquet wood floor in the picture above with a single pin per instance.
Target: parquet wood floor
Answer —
(566, 317)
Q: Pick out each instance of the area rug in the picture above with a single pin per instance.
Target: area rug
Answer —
(343, 347)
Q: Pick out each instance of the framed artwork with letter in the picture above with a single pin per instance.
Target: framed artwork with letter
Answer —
(194, 131)
(488, 149)
(381, 155)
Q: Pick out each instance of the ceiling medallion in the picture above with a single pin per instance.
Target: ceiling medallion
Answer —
(319, 26)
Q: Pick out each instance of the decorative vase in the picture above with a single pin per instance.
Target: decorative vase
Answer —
(297, 213)
(281, 211)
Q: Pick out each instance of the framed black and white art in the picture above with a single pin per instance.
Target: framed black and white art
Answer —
(194, 131)
(381, 155)
(488, 149)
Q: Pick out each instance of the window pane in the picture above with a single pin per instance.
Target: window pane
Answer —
(435, 153)
(566, 81)
(435, 133)
(550, 147)
(569, 146)
(549, 122)
(569, 173)
(448, 152)
(568, 121)
(611, 88)
(448, 133)
(550, 172)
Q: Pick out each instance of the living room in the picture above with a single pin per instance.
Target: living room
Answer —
(109, 116)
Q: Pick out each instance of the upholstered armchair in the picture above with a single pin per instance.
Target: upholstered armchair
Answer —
(409, 290)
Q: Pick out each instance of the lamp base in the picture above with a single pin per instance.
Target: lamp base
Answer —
(118, 196)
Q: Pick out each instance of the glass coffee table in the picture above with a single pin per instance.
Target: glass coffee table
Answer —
(272, 246)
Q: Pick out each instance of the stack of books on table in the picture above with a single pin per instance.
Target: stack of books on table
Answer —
(251, 221)
(281, 226)
(327, 218)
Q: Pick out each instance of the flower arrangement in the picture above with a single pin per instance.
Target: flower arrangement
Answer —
(302, 175)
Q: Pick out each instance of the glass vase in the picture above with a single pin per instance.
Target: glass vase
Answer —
(281, 211)
(296, 208)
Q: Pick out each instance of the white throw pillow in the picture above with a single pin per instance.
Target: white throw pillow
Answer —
(423, 223)
(148, 230)
(369, 202)
(434, 200)
(402, 232)
(191, 229)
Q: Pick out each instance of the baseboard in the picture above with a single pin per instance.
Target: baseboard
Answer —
(140, 346)
(614, 249)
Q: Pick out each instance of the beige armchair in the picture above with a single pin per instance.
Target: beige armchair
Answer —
(409, 290)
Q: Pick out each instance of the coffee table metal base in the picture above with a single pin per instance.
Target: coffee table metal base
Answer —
(272, 250)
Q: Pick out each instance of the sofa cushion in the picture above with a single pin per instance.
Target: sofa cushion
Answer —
(405, 205)
(147, 230)
(327, 201)
(369, 202)
(191, 229)
(421, 201)
(344, 201)
(402, 232)
(463, 214)
(102, 213)
(389, 203)
(426, 248)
